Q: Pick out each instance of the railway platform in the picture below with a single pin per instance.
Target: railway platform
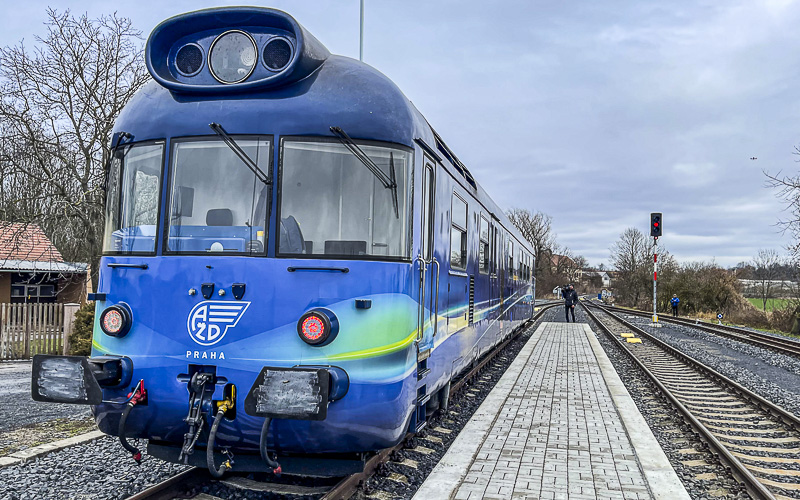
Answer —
(559, 424)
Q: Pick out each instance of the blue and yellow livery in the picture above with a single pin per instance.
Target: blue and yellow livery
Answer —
(294, 259)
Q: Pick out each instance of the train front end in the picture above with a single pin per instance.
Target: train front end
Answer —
(256, 290)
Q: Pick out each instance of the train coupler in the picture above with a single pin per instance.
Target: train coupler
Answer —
(196, 417)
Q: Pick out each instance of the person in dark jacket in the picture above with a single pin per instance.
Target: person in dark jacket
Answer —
(570, 301)
(674, 301)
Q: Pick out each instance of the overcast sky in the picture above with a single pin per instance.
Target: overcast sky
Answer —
(596, 113)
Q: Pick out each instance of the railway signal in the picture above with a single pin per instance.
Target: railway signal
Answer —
(655, 224)
(656, 229)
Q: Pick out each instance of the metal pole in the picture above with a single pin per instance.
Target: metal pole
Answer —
(361, 37)
(655, 277)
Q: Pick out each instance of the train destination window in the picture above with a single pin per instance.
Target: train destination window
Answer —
(484, 246)
(132, 199)
(458, 234)
(331, 204)
(217, 204)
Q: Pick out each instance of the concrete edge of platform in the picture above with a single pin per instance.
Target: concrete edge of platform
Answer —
(43, 449)
(662, 480)
(446, 477)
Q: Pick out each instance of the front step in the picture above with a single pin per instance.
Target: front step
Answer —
(421, 413)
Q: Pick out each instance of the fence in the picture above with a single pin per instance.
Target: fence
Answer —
(28, 329)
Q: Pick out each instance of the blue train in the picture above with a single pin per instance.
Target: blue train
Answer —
(295, 265)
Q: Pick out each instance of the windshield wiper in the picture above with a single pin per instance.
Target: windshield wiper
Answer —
(249, 163)
(388, 181)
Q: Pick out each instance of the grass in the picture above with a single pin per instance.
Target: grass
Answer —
(772, 304)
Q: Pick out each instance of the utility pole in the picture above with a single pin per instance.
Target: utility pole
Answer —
(361, 37)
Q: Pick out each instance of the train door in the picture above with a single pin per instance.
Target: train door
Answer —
(427, 326)
(428, 309)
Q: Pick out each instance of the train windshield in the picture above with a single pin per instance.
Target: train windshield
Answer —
(217, 204)
(331, 204)
(132, 199)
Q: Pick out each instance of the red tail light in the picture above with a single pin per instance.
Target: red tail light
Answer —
(318, 327)
(313, 328)
(115, 320)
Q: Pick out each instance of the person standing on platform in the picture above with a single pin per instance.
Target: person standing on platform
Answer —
(570, 301)
(674, 301)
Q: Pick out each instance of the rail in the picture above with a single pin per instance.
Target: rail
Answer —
(751, 483)
(760, 339)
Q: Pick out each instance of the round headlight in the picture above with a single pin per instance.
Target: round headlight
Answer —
(277, 54)
(115, 321)
(189, 59)
(318, 327)
(232, 57)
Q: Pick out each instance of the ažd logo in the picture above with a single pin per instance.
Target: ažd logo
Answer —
(210, 320)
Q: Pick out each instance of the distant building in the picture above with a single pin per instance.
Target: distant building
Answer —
(32, 269)
(603, 275)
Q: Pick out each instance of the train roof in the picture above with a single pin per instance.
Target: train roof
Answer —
(314, 91)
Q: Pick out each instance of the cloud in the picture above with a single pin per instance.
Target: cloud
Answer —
(595, 113)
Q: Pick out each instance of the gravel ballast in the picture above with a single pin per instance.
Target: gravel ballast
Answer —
(97, 470)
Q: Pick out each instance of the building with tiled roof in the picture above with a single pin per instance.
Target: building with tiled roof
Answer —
(33, 270)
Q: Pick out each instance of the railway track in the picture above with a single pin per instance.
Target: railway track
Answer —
(760, 339)
(177, 486)
(758, 440)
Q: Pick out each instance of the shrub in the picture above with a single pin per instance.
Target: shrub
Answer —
(748, 315)
(786, 319)
(80, 341)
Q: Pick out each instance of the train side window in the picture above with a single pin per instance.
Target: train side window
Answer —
(458, 234)
(484, 246)
(494, 249)
(527, 267)
(511, 257)
(526, 273)
(133, 198)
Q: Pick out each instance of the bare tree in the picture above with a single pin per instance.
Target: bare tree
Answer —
(537, 228)
(58, 102)
(630, 256)
(766, 269)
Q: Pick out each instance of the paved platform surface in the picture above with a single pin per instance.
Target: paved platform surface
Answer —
(559, 424)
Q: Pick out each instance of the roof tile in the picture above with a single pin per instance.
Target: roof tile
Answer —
(20, 241)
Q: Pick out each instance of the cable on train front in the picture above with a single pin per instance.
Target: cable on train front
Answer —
(285, 360)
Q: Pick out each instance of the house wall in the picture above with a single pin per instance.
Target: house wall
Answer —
(5, 288)
(73, 291)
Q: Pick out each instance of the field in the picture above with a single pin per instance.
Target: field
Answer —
(772, 304)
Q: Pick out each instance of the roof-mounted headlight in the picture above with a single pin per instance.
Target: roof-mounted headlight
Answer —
(232, 57)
